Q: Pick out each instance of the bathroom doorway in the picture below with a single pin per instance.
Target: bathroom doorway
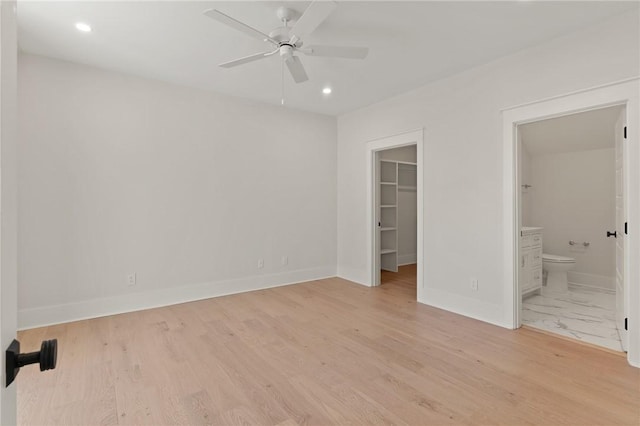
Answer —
(571, 216)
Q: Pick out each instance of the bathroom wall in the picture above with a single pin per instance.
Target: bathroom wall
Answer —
(573, 198)
(407, 208)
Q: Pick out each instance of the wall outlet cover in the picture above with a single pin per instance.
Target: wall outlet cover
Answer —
(474, 284)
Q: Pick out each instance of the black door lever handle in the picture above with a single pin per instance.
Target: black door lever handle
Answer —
(47, 357)
(613, 234)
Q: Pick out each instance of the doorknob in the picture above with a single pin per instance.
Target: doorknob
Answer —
(47, 357)
(613, 234)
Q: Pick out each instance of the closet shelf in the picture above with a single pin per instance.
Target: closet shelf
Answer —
(392, 178)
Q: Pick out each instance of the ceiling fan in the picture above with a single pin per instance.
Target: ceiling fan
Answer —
(287, 41)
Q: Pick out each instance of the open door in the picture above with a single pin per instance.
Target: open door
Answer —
(621, 311)
(387, 205)
(8, 201)
(377, 220)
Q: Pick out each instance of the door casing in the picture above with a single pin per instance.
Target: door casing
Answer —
(618, 93)
(413, 137)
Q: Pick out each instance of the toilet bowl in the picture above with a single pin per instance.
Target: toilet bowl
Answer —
(557, 268)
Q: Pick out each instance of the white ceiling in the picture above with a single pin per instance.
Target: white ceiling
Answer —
(576, 132)
(411, 43)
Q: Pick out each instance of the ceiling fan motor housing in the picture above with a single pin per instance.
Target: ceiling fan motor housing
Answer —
(286, 51)
(282, 36)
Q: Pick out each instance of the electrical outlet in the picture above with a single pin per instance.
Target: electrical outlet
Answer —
(260, 263)
(285, 260)
(131, 279)
(474, 284)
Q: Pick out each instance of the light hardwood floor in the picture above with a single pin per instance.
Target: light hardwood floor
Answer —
(323, 352)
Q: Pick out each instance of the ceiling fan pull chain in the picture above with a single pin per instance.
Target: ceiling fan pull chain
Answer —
(282, 79)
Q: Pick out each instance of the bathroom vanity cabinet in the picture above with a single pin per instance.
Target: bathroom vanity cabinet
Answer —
(530, 277)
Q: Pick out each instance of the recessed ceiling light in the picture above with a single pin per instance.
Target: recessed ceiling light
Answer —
(326, 90)
(81, 26)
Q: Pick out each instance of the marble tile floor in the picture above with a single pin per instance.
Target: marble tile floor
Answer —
(585, 313)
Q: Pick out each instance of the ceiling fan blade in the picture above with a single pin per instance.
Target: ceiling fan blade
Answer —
(315, 14)
(246, 59)
(234, 23)
(336, 51)
(296, 69)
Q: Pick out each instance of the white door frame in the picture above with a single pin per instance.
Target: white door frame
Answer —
(414, 137)
(8, 201)
(619, 93)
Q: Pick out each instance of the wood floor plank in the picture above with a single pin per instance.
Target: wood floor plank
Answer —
(318, 353)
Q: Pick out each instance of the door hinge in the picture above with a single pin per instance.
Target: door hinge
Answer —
(626, 325)
(625, 132)
(625, 229)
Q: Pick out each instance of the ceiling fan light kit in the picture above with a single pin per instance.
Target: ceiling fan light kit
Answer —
(287, 40)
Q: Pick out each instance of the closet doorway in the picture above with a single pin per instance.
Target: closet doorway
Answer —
(395, 209)
(396, 203)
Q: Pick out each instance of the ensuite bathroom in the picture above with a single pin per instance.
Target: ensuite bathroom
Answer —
(571, 206)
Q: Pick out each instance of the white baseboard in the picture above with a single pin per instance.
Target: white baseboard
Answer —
(466, 306)
(591, 280)
(353, 275)
(58, 314)
(407, 259)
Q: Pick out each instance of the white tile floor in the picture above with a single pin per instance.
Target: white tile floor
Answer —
(585, 313)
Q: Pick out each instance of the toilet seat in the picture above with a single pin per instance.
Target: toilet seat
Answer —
(552, 258)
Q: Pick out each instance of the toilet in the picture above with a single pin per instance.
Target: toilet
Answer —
(557, 268)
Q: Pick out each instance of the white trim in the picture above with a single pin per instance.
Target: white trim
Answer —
(413, 137)
(465, 306)
(355, 275)
(407, 259)
(591, 280)
(551, 98)
(592, 288)
(95, 308)
(395, 135)
(625, 92)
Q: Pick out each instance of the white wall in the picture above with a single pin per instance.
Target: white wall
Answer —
(573, 198)
(524, 167)
(407, 227)
(463, 178)
(188, 189)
